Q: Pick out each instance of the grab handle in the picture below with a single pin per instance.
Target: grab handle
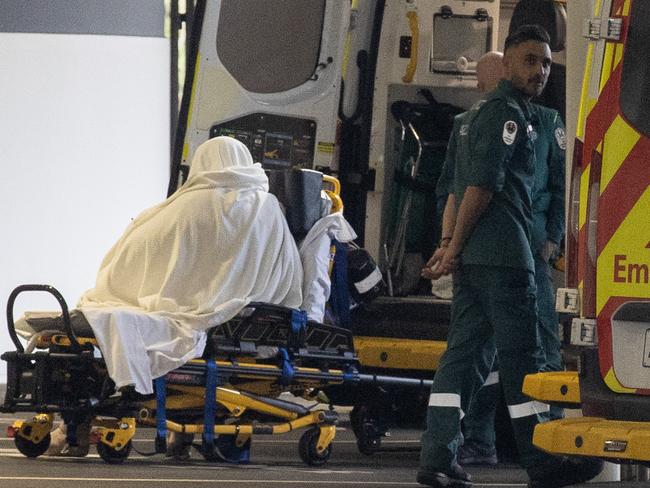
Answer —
(334, 193)
(64, 309)
(412, 17)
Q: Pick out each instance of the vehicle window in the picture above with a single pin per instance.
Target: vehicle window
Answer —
(270, 46)
(635, 82)
(459, 37)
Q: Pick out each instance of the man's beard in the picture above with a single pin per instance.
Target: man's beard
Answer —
(532, 87)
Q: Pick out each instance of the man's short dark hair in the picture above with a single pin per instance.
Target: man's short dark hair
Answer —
(527, 32)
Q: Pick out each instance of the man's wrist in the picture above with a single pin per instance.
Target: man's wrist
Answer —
(444, 242)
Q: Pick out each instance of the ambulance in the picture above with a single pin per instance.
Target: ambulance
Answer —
(607, 297)
(366, 90)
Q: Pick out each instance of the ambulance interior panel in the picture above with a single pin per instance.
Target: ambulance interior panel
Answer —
(275, 141)
(458, 41)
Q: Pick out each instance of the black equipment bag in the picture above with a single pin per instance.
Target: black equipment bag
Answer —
(299, 191)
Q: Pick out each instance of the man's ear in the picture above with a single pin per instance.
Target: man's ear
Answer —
(505, 61)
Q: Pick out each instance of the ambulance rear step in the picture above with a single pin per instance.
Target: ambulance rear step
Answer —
(614, 440)
(560, 388)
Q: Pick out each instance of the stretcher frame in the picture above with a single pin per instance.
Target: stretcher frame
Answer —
(67, 378)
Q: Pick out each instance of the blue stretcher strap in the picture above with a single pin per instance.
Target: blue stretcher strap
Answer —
(348, 376)
(211, 377)
(287, 368)
(340, 295)
(161, 414)
(298, 321)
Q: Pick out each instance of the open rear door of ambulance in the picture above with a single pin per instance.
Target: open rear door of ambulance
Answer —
(268, 74)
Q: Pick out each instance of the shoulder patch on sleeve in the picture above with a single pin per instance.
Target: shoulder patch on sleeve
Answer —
(560, 137)
(509, 132)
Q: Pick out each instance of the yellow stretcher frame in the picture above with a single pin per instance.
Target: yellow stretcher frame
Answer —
(252, 381)
(114, 435)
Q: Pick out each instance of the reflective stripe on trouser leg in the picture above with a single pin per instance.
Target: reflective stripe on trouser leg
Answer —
(446, 400)
(462, 370)
(524, 413)
(478, 425)
(442, 436)
(513, 313)
(492, 379)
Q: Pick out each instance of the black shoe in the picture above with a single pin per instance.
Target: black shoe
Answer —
(455, 477)
(472, 453)
(564, 472)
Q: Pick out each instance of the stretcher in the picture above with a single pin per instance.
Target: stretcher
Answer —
(228, 396)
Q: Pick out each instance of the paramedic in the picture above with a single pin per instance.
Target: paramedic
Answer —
(489, 71)
(547, 230)
(486, 231)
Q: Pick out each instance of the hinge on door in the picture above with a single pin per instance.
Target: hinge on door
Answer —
(610, 30)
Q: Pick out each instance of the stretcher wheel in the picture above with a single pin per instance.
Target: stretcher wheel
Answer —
(368, 445)
(113, 456)
(229, 450)
(226, 450)
(32, 449)
(365, 428)
(308, 448)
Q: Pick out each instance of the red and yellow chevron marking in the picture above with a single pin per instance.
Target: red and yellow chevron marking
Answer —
(597, 115)
(624, 192)
(623, 232)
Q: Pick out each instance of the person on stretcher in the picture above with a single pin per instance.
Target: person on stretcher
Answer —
(190, 263)
(195, 261)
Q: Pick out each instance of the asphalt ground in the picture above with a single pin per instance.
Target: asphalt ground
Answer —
(274, 462)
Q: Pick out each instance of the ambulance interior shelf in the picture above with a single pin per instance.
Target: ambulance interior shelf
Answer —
(275, 141)
(422, 132)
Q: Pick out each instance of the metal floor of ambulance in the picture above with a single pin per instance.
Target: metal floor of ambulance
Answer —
(274, 462)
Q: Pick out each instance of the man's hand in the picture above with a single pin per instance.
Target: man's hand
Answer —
(441, 263)
(449, 262)
(431, 269)
(548, 250)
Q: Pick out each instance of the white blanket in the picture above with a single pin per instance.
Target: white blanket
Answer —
(315, 254)
(190, 263)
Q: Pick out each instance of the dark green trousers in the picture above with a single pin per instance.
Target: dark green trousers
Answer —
(493, 309)
(478, 424)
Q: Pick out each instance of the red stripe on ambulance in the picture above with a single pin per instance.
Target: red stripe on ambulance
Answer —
(623, 192)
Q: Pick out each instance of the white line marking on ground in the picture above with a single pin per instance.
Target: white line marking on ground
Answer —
(264, 467)
(200, 464)
(213, 481)
(257, 440)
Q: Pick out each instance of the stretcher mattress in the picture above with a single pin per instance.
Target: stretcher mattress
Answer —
(260, 330)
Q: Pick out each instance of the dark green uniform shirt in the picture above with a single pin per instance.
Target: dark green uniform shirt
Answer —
(491, 147)
(548, 189)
